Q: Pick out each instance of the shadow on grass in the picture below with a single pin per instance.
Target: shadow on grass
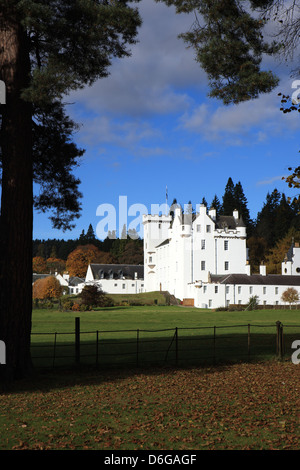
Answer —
(109, 356)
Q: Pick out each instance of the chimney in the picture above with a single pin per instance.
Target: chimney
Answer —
(236, 214)
(212, 213)
(262, 270)
(248, 269)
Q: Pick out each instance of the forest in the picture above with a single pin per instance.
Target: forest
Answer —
(269, 237)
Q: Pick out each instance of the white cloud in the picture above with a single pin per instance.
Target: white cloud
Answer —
(154, 78)
(251, 121)
(270, 181)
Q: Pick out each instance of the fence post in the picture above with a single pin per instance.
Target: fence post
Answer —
(176, 345)
(54, 350)
(77, 340)
(214, 352)
(97, 345)
(137, 346)
(248, 341)
(279, 337)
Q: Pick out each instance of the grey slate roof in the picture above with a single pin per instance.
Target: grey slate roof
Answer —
(35, 276)
(74, 281)
(117, 271)
(256, 279)
(229, 221)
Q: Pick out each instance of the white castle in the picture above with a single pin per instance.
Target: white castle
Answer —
(202, 260)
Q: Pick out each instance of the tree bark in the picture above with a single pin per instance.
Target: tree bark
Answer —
(16, 219)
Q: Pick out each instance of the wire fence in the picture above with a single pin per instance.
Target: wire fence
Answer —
(171, 346)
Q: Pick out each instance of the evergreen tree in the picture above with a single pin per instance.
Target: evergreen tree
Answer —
(283, 218)
(48, 49)
(229, 202)
(241, 204)
(90, 235)
(215, 203)
(229, 45)
(265, 218)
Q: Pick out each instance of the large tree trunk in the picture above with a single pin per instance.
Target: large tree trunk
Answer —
(16, 201)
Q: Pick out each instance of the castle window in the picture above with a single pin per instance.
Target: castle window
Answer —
(202, 265)
(226, 265)
(208, 228)
(202, 244)
(264, 290)
(276, 290)
(225, 245)
(216, 289)
(198, 228)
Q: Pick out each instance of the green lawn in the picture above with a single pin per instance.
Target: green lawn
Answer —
(231, 406)
(141, 335)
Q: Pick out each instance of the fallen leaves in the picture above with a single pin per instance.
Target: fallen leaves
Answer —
(244, 406)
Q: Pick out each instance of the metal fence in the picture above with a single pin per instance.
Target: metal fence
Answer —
(171, 346)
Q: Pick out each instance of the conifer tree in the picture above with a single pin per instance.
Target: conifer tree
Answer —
(241, 204)
(229, 45)
(229, 203)
(48, 49)
(265, 218)
(215, 203)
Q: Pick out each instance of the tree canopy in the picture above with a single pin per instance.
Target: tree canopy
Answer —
(48, 49)
(228, 37)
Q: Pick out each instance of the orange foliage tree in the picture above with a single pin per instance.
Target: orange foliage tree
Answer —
(79, 259)
(47, 288)
(39, 265)
(55, 265)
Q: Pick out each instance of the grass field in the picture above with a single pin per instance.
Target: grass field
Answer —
(147, 334)
(232, 406)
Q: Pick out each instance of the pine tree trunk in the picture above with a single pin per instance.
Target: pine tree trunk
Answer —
(16, 201)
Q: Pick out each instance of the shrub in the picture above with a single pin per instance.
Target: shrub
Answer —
(253, 303)
(76, 307)
(67, 305)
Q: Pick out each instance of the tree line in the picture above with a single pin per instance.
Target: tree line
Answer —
(271, 233)
(269, 236)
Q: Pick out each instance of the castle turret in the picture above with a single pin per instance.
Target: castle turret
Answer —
(156, 229)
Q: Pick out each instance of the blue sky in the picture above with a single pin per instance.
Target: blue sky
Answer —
(150, 125)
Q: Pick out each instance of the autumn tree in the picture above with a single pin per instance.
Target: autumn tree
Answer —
(46, 288)
(55, 265)
(290, 296)
(48, 49)
(39, 265)
(79, 259)
(277, 254)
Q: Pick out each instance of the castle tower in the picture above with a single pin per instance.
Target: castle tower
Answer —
(156, 229)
